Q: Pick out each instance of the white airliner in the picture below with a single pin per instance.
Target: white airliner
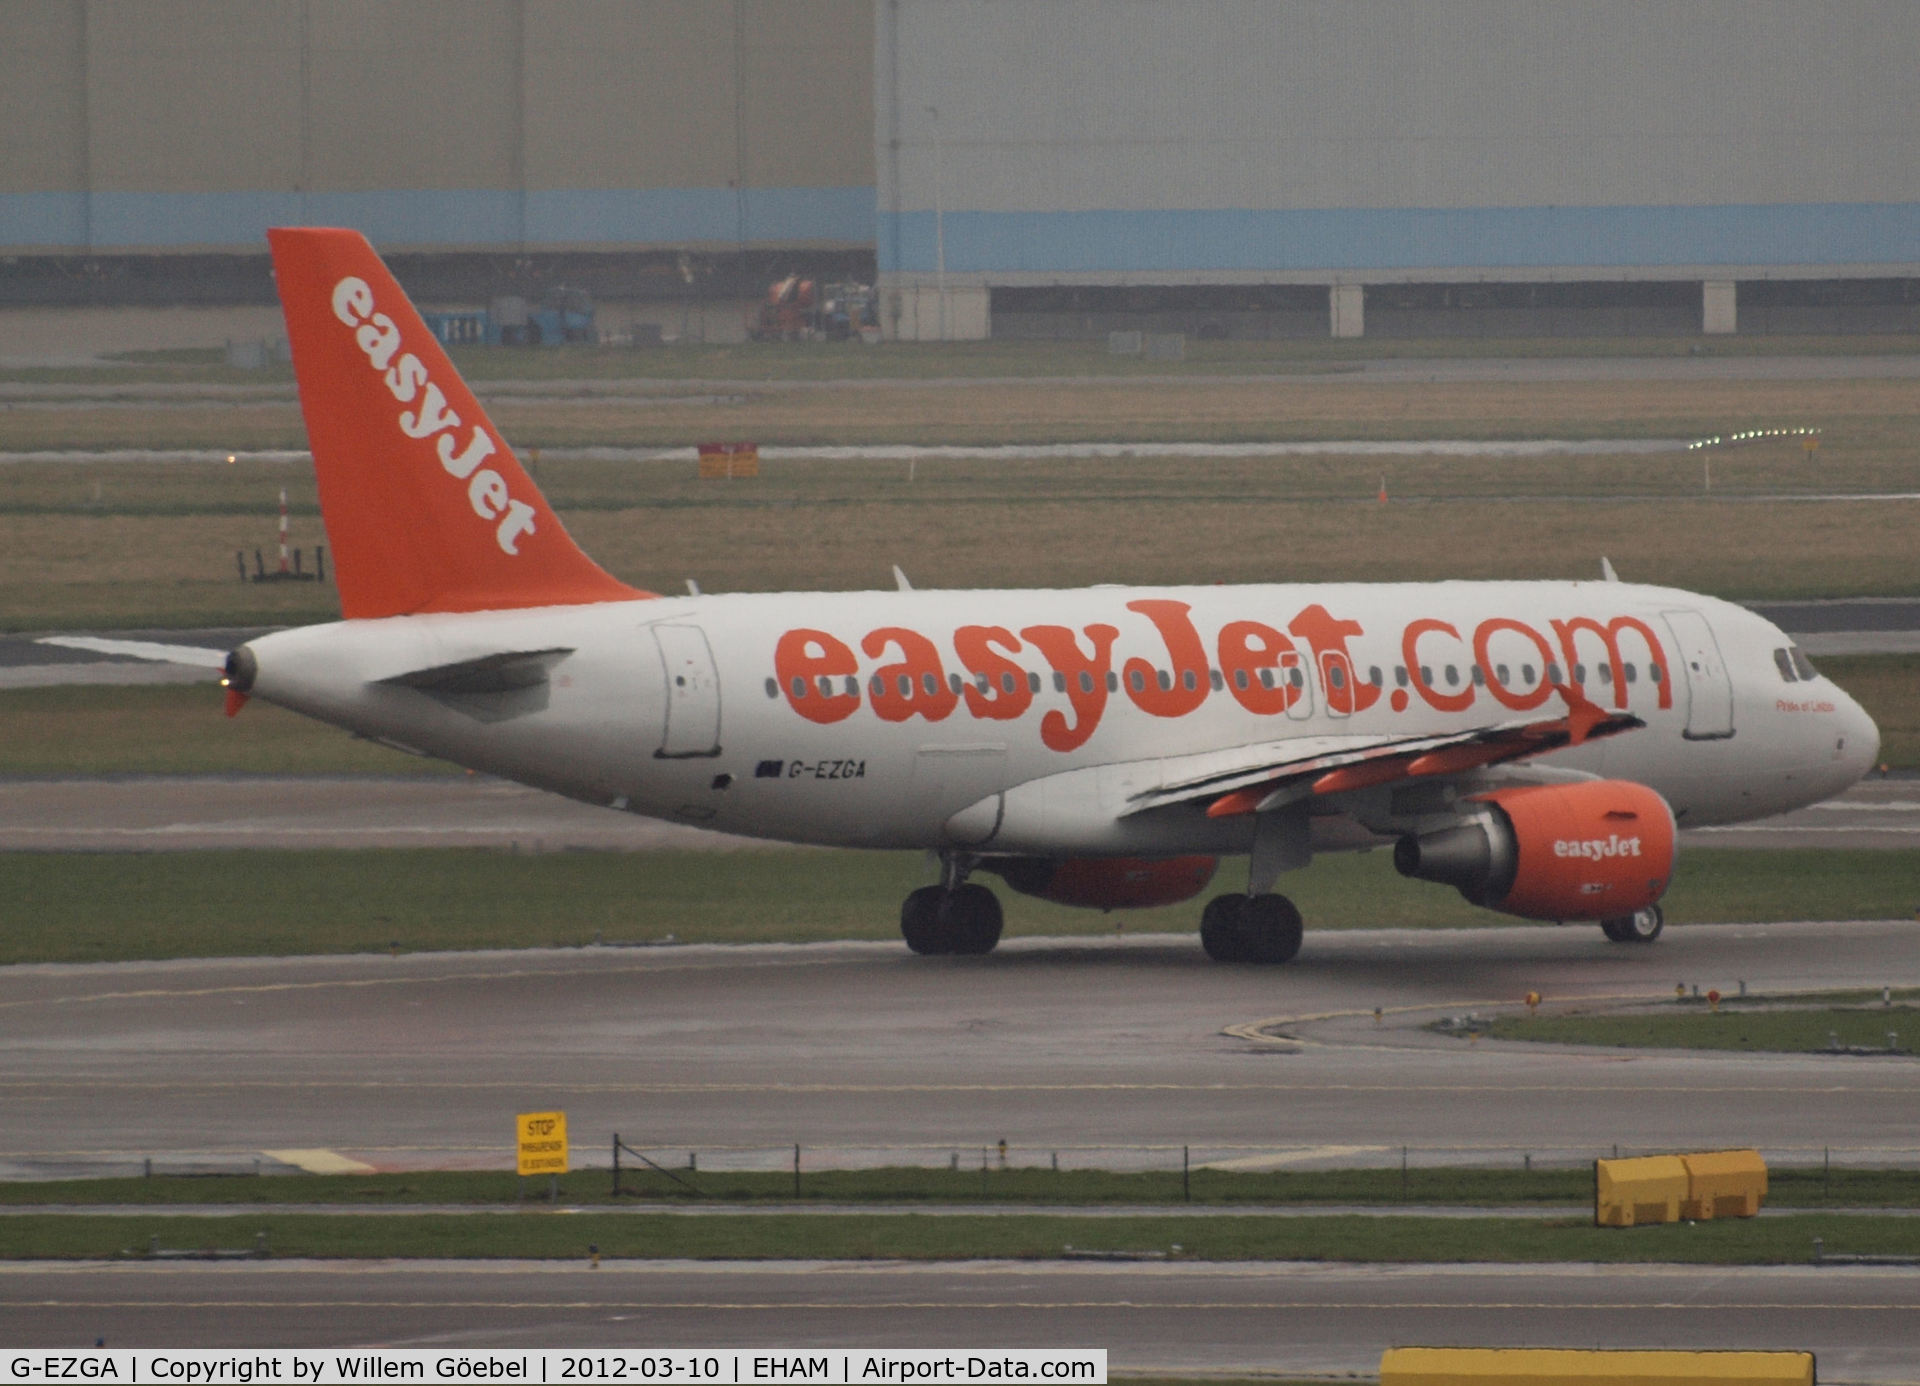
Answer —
(1533, 744)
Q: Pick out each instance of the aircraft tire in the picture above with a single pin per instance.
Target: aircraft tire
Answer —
(970, 919)
(1270, 929)
(1644, 926)
(1220, 933)
(920, 921)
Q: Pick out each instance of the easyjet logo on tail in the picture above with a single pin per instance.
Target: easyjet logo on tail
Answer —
(409, 383)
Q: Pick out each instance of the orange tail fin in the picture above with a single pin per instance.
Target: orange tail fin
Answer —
(425, 505)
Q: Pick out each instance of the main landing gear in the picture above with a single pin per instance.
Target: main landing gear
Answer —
(1643, 926)
(955, 916)
(1250, 929)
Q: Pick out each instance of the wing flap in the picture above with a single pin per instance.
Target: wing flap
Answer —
(1256, 778)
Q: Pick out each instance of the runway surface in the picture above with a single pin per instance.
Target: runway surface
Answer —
(150, 813)
(1114, 1052)
(1268, 1317)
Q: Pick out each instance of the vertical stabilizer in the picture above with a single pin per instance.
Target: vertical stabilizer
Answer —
(425, 505)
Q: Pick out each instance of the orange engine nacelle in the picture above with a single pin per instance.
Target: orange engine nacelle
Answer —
(1596, 850)
(1108, 883)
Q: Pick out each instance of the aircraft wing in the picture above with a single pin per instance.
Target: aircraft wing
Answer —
(1250, 779)
(196, 655)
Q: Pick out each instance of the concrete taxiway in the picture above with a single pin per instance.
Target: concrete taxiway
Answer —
(1160, 1319)
(1114, 1052)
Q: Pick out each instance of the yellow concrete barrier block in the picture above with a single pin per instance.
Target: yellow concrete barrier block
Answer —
(1650, 1188)
(1415, 1366)
(1724, 1184)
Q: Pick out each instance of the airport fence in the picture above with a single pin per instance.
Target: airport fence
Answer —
(921, 1169)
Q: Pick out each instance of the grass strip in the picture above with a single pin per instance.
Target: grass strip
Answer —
(1009, 357)
(94, 907)
(1797, 1030)
(907, 1236)
(178, 729)
(1789, 1187)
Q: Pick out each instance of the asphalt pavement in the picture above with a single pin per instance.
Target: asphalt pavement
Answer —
(1159, 1319)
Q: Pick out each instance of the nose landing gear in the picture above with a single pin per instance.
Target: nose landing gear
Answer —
(955, 916)
(1250, 929)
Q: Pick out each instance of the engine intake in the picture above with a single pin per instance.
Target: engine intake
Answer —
(1595, 850)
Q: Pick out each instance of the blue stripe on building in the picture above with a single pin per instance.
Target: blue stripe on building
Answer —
(1410, 238)
(479, 218)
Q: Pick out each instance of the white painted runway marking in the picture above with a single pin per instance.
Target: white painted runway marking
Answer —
(319, 1161)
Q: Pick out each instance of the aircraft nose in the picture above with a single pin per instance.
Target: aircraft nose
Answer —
(1862, 750)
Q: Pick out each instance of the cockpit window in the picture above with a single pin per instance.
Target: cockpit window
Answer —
(1801, 664)
(1784, 663)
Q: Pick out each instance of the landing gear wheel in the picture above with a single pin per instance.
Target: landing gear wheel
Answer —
(970, 920)
(920, 923)
(1270, 929)
(1220, 929)
(1643, 926)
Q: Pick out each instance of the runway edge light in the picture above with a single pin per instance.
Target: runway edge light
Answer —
(1417, 1366)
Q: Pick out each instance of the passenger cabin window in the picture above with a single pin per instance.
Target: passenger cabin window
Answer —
(1802, 665)
(1399, 676)
(1500, 672)
(1479, 676)
(1373, 675)
(773, 688)
(1113, 682)
(799, 687)
(1033, 682)
(1059, 682)
(1086, 682)
(1526, 674)
(1632, 674)
(1213, 677)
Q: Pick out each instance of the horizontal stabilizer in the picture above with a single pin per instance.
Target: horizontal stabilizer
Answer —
(195, 655)
(505, 672)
